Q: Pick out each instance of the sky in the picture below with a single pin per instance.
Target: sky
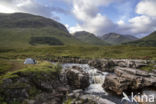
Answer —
(129, 17)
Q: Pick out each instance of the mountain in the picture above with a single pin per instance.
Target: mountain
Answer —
(89, 38)
(22, 30)
(115, 39)
(149, 40)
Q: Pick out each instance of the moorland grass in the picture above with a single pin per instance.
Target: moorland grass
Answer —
(130, 52)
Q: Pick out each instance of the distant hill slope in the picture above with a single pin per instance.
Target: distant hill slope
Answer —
(149, 40)
(22, 30)
(89, 38)
(24, 20)
(115, 39)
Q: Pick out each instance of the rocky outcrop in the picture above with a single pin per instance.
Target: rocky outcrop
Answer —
(42, 86)
(65, 59)
(131, 63)
(109, 64)
(125, 79)
(77, 78)
(78, 97)
(102, 64)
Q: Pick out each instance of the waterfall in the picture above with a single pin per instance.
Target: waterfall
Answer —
(96, 78)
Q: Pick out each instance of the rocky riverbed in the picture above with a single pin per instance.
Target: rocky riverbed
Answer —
(100, 81)
(110, 78)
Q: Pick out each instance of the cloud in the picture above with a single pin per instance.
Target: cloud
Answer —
(139, 20)
(89, 18)
(147, 7)
(99, 24)
(29, 6)
(142, 24)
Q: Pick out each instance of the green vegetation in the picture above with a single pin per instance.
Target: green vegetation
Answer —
(116, 39)
(68, 101)
(89, 38)
(51, 52)
(28, 79)
(45, 40)
(24, 20)
(148, 68)
(21, 37)
(41, 67)
(10, 65)
(23, 30)
(149, 40)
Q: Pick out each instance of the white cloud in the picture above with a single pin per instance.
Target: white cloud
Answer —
(87, 13)
(121, 22)
(141, 24)
(145, 23)
(147, 7)
(89, 18)
(98, 25)
(4, 9)
(29, 6)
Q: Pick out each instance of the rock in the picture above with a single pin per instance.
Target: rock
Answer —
(43, 87)
(154, 71)
(96, 99)
(130, 63)
(131, 71)
(77, 78)
(125, 79)
(27, 101)
(78, 91)
(116, 84)
(102, 64)
(29, 61)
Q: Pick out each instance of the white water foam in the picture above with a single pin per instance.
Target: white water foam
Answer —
(96, 78)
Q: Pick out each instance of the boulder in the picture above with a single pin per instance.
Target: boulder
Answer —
(77, 78)
(116, 84)
(102, 64)
(154, 71)
(125, 79)
(41, 86)
(29, 61)
(130, 63)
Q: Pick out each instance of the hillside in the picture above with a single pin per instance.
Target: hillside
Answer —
(116, 39)
(22, 30)
(89, 38)
(149, 40)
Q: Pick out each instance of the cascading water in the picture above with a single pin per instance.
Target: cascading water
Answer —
(95, 89)
(96, 78)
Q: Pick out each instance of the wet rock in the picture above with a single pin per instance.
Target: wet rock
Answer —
(77, 78)
(96, 99)
(102, 64)
(24, 85)
(125, 79)
(119, 71)
(116, 84)
(130, 63)
(154, 71)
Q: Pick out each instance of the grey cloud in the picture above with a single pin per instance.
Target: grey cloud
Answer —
(34, 8)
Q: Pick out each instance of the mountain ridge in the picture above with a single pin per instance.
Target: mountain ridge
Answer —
(149, 40)
(22, 29)
(25, 20)
(117, 39)
(89, 38)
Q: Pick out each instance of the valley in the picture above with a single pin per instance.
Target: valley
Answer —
(78, 68)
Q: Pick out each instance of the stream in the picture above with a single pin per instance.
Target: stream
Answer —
(96, 79)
